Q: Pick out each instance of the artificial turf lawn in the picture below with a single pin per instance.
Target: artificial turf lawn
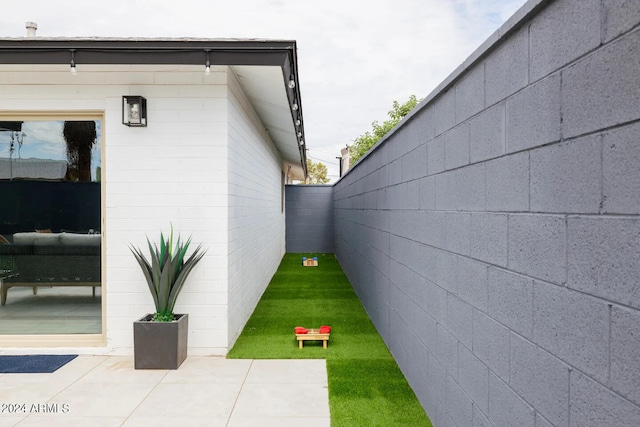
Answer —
(366, 387)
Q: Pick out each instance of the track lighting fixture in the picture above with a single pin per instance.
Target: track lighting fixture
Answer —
(73, 62)
(207, 65)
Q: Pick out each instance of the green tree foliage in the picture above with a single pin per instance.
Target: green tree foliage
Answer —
(316, 173)
(364, 142)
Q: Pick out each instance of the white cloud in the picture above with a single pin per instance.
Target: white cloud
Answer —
(43, 140)
(355, 56)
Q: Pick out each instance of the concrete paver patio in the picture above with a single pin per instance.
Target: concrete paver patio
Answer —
(207, 391)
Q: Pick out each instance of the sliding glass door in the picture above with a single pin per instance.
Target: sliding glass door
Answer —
(50, 226)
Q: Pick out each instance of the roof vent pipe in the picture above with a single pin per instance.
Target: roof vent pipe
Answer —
(31, 28)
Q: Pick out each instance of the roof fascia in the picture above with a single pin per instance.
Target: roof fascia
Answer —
(113, 51)
(143, 51)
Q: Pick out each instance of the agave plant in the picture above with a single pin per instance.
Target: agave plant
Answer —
(167, 272)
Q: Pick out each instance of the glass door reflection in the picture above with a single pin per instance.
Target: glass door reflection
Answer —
(50, 218)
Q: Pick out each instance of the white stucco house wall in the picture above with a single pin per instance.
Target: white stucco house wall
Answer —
(212, 161)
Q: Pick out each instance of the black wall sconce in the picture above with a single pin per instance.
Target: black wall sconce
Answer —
(134, 111)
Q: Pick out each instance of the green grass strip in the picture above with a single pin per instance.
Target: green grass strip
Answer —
(366, 387)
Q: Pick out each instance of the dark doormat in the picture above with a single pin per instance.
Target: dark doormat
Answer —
(34, 364)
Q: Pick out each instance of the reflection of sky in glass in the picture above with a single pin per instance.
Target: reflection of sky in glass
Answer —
(43, 140)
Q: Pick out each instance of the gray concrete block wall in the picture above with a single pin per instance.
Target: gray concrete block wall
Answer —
(309, 218)
(494, 237)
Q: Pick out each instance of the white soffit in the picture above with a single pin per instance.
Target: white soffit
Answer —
(264, 86)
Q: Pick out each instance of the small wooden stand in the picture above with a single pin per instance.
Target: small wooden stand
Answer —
(310, 263)
(313, 335)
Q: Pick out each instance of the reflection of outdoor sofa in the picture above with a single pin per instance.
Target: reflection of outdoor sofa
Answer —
(51, 259)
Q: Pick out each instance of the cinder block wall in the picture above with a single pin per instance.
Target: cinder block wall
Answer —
(309, 212)
(494, 236)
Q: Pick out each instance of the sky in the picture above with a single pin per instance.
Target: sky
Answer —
(355, 57)
(43, 140)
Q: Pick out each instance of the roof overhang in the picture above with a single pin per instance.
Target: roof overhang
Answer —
(264, 68)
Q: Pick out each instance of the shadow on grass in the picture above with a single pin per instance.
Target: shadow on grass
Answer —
(366, 387)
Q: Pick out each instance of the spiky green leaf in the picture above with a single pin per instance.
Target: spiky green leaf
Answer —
(167, 271)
